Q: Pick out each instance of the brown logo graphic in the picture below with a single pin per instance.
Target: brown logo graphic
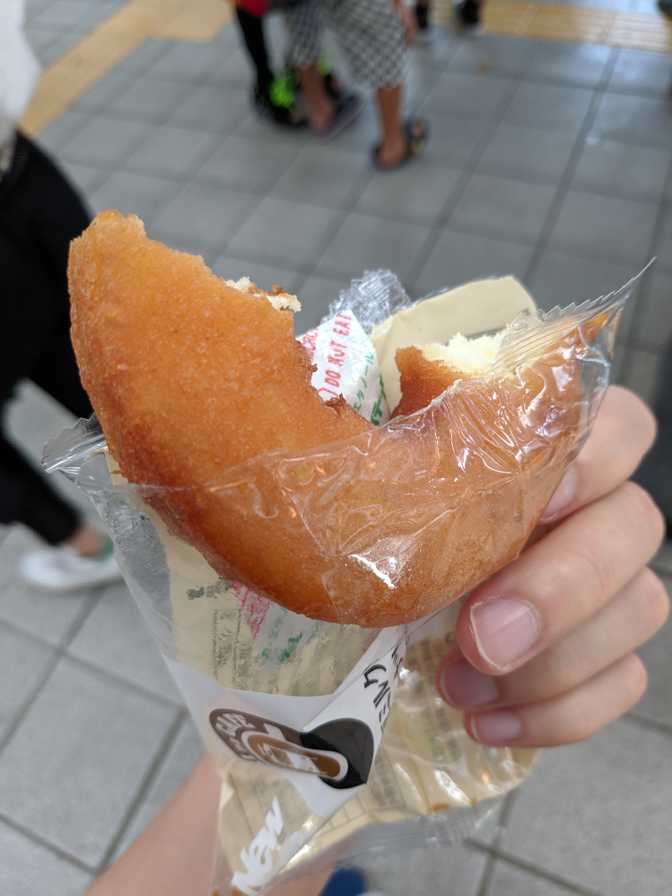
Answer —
(339, 752)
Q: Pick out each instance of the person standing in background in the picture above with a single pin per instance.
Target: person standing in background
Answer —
(372, 35)
(40, 213)
(274, 96)
(467, 16)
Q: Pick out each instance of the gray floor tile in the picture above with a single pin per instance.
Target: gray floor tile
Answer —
(427, 870)
(264, 275)
(549, 106)
(605, 225)
(183, 755)
(189, 61)
(40, 38)
(366, 243)
(621, 169)
(530, 153)
(286, 232)
(46, 616)
(205, 213)
(654, 322)
(561, 278)
(508, 880)
(26, 866)
(582, 814)
(328, 177)
(418, 192)
(502, 206)
(642, 372)
(459, 257)
(149, 99)
(232, 67)
(420, 78)
(207, 107)
(640, 71)
(247, 164)
(101, 95)
(85, 177)
(66, 14)
(657, 702)
(663, 559)
(456, 141)
(65, 42)
(467, 95)
(664, 241)
(253, 127)
(62, 129)
(134, 193)
(568, 63)
(115, 638)
(175, 152)
(634, 119)
(80, 734)
(316, 294)
(105, 140)
(493, 53)
(145, 55)
(24, 661)
(187, 243)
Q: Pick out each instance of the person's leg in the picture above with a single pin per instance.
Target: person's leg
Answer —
(371, 34)
(252, 31)
(27, 498)
(305, 28)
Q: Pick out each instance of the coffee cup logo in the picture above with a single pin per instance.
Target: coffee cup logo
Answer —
(339, 752)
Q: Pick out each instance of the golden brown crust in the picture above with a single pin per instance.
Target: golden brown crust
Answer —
(195, 383)
(421, 380)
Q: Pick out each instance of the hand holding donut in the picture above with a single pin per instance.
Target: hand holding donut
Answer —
(547, 646)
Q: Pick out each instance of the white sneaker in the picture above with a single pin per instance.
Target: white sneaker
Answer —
(62, 569)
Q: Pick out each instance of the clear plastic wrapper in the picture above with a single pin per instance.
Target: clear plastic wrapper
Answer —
(323, 730)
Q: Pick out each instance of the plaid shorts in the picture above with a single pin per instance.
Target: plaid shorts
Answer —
(369, 32)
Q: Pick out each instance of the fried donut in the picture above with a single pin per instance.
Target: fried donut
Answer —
(205, 399)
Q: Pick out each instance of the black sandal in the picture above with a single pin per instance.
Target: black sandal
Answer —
(416, 131)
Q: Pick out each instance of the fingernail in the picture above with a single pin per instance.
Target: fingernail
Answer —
(462, 685)
(496, 727)
(504, 629)
(563, 495)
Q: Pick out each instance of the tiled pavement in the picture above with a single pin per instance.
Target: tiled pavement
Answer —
(551, 161)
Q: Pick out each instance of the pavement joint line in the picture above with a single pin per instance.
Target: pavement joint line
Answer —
(131, 686)
(487, 875)
(143, 788)
(646, 291)
(640, 721)
(59, 652)
(39, 840)
(443, 221)
(532, 869)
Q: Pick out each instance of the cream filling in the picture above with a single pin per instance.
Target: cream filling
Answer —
(283, 301)
(470, 356)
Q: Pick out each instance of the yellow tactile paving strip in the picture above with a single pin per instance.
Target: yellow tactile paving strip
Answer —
(595, 25)
(200, 20)
(79, 69)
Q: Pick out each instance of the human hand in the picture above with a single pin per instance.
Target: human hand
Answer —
(546, 647)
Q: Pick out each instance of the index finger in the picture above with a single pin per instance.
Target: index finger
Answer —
(624, 431)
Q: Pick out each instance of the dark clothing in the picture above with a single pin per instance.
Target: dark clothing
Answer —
(40, 213)
(252, 30)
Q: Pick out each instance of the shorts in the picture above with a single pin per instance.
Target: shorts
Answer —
(369, 33)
